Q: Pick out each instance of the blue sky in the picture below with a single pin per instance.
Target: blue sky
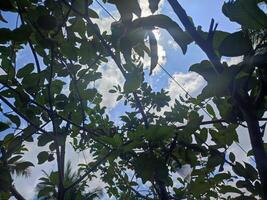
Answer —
(202, 11)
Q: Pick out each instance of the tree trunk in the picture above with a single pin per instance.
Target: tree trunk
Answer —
(257, 148)
(15, 193)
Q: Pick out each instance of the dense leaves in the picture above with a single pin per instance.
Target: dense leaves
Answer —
(160, 148)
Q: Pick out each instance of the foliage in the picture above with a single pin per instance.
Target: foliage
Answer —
(51, 102)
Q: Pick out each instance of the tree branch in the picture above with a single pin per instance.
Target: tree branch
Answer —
(189, 26)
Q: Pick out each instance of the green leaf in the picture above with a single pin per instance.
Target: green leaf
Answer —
(21, 34)
(43, 139)
(229, 189)
(199, 187)
(210, 110)
(251, 172)
(57, 86)
(47, 22)
(68, 49)
(24, 71)
(13, 118)
(232, 157)
(14, 159)
(3, 126)
(181, 38)
(239, 169)
(230, 48)
(205, 69)
(215, 160)
(92, 13)
(147, 166)
(133, 82)
(5, 35)
(6, 5)
(42, 157)
(157, 133)
(112, 91)
(153, 5)
(246, 12)
(127, 8)
(154, 51)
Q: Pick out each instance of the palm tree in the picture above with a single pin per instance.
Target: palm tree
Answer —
(47, 188)
(12, 165)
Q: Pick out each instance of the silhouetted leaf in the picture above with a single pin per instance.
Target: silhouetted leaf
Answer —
(181, 38)
(3, 126)
(47, 22)
(154, 5)
(245, 12)
(42, 157)
(27, 69)
(154, 51)
(235, 44)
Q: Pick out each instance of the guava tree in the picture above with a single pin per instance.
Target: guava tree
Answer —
(52, 102)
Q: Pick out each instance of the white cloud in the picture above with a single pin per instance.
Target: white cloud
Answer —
(111, 76)
(190, 81)
(233, 60)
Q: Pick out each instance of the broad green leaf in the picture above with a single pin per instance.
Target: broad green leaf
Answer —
(218, 37)
(239, 169)
(205, 69)
(14, 118)
(5, 35)
(246, 13)
(154, 5)
(148, 166)
(21, 34)
(80, 5)
(229, 189)
(157, 133)
(42, 157)
(251, 172)
(92, 13)
(3, 126)
(69, 50)
(47, 22)
(132, 82)
(6, 5)
(154, 51)
(210, 110)
(43, 139)
(235, 44)
(232, 157)
(127, 8)
(199, 187)
(202, 136)
(114, 141)
(181, 38)
(215, 160)
(24, 71)
(57, 86)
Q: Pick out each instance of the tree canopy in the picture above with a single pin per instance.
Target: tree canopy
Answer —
(51, 101)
